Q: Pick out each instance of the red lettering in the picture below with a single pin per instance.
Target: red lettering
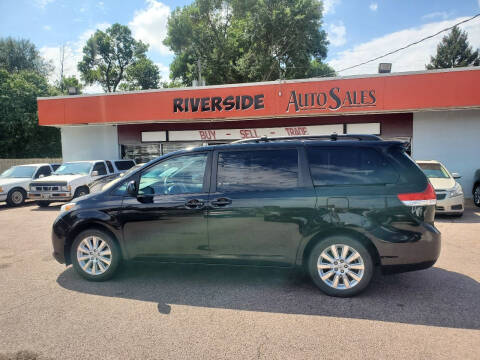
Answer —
(207, 134)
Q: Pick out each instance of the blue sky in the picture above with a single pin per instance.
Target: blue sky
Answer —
(358, 29)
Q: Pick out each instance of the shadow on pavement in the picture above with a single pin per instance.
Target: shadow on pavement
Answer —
(433, 297)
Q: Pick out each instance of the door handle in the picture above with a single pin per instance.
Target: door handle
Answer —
(221, 202)
(194, 204)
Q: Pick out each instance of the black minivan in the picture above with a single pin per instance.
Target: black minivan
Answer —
(339, 206)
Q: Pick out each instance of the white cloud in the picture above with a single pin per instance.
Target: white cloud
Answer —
(72, 55)
(329, 6)
(42, 3)
(164, 71)
(411, 59)
(373, 6)
(337, 34)
(150, 25)
(47, 27)
(437, 14)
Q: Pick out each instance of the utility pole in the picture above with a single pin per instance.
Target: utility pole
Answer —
(199, 65)
(62, 60)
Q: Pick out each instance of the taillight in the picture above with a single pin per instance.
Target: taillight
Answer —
(424, 198)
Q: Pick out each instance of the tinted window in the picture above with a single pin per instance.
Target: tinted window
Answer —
(349, 166)
(178, 175)
(124, 164)
(100, 167)
(110, 167)
(55, 166)
(257, 170)
(44, 170)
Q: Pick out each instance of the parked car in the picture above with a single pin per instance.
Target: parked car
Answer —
(97, 185)
(338, 206)
(14, 182)
(69, 181)
(450, 199)
(476, 188)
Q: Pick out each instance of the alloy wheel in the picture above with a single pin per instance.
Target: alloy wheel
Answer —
(94, 255)
(340, 266)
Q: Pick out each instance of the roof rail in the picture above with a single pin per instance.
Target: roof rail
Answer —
(332, 137)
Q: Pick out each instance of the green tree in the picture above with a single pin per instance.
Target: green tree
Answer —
(142, 75)
(20, 134)
(67, 82)
(247, 40)
(21, 54)
(454, 51)
(108, 55)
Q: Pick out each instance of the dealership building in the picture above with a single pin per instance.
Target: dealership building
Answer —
(438, 112)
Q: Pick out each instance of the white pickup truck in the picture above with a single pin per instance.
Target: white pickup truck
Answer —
(14, 182)
(71, 180)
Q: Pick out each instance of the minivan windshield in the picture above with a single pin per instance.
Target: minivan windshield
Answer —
(74, 168)
(434, 171)
(19, 172)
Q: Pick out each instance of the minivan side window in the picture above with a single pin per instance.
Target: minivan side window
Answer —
(257, 170)
(179, 175)
(100, 167)
(347, 166)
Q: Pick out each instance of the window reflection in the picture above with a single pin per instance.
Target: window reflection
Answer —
(257, 170)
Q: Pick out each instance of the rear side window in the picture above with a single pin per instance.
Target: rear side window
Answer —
(110, 167)
(257, 170)
(349, 166)
(124, 164)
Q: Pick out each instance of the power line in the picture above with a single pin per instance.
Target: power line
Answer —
(411, 44)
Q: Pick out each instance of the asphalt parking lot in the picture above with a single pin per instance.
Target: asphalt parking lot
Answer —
(167, 311)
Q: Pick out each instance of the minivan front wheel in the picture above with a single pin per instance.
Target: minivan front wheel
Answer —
(341, 266)
(95, 255)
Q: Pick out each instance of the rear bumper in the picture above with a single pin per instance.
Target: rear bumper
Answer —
(62, 196)
(3, 197)
(419, 252)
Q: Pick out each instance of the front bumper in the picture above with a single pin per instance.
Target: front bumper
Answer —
(59, 240)
(3, 197)
(50, 196)
(453, 205)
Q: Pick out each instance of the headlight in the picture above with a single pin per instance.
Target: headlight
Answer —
(66, 188)
(455, 191)
(67, 207)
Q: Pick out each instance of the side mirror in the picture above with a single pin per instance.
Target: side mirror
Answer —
(456, 175)
(132, 188)
(95, 173)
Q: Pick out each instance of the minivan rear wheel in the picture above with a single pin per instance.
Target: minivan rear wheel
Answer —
(341, 266)
(95, 255)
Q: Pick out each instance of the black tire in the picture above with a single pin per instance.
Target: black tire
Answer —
(81, 191)
(43, 204)
(342, 290)
(476, 195)
(115, 257)
(16, 197)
